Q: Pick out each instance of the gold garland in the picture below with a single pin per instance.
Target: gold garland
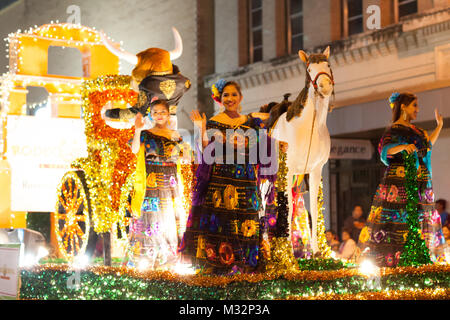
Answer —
(281, 260)
(212, 281)
(324, 248)
(411, 294)
(281, 182)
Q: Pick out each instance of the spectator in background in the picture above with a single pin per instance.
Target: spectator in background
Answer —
(441, 205)
(331, 240)
(348, 246)
(446, 232)
(355, 222)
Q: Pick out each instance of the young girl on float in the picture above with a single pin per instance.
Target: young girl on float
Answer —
(158, 214)
(384, 236)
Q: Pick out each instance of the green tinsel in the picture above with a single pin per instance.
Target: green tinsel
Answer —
(50, 285)
(415, 252)
(322, 264)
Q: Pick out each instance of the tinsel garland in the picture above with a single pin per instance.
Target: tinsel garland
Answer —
(127, 189)
(281, 258)
(110, 160)
(51, 282)
(415, 251)
(410, 294)
(324, 248)
(321, 264)
(281, 182)
(187, 178)
(282, 225)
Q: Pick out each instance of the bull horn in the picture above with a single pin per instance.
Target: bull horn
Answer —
(121, 54)
(176, 53)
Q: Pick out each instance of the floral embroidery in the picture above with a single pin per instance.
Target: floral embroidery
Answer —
(395, 216)
(397, 257)
(203, 221)
(389, 260)
(254, 201)
(393, 193)
(217, 198)
(429, 195)
(375, 214)
(210, 252)
(234, 226)
(152, 229)
(400, 172)
(230, 197)
(173, 181)
(201, 247)
(240, 172)
(226, 254)
(364, 235)
(250, 172)
(248, 228)
(214, 223)
(272, 220)
(382, 192)
(151, 180)
(379, 236)
(253, 256)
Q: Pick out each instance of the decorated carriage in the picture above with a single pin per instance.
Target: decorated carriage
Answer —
(95, 196)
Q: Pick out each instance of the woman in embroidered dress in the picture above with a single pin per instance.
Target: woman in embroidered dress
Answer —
(153, 233)
(384, 236)
(228, 227)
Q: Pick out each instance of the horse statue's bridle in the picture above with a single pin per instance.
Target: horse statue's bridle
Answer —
(314, 82)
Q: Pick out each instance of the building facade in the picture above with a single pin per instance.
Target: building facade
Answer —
(137, 24)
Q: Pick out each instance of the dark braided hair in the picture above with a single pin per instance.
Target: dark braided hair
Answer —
(404, 98)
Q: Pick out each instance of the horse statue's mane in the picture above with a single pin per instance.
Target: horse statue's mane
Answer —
(293, 109)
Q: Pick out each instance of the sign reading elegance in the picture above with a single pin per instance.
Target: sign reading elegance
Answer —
(9, 271)
(40, 151)
(351, 149)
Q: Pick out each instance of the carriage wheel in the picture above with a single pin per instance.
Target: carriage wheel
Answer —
(72, 215)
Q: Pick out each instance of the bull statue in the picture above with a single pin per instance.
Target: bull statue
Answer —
(154, 77)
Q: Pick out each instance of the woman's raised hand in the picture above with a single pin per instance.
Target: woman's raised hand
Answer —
(410, 148)
(139, 121)
(439, 118)
(175, 136)
(198, 120)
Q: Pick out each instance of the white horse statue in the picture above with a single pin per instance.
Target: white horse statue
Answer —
(302, 125)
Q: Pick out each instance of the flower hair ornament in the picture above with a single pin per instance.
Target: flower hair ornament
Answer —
(217, 89)
(393, 98)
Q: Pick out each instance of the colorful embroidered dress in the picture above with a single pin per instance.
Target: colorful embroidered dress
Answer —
(228, 229)
(386, 228)
(153, 235)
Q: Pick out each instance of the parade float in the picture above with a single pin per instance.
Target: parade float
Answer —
(93, 195)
